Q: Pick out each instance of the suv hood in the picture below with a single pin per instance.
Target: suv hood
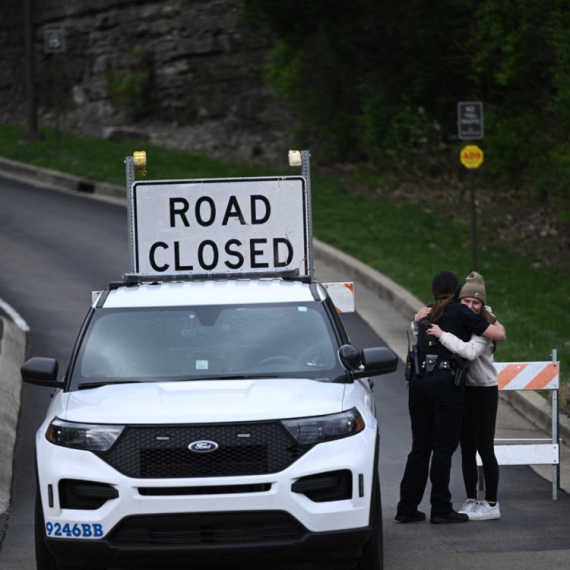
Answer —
(209, 401)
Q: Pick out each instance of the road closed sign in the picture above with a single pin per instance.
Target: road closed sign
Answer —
(246, 225)
(471, 156)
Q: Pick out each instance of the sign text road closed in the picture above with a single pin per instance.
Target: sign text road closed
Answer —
(471, 156)
(220, 226)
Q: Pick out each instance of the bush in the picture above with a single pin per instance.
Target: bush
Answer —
(131, 90)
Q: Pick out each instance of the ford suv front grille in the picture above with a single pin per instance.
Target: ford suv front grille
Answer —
(162, 452)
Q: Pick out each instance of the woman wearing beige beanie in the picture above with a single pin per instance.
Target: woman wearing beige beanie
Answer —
(480, 405)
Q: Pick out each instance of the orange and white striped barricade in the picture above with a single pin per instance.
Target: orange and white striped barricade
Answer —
(536, 451)
(342, 296)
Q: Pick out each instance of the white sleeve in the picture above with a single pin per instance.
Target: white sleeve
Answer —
(415, 328)
(470, 350)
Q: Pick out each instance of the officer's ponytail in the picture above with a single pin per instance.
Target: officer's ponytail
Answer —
(445, 288)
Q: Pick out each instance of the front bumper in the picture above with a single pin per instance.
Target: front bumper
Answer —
(327, 548)
(144, 526)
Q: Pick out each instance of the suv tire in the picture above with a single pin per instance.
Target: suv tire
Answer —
(45, 560)
(373, 551)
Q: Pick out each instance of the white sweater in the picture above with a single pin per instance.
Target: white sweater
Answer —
(479, 350)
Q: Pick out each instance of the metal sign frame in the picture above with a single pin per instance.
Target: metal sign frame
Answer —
(288, 273)
(134, 275)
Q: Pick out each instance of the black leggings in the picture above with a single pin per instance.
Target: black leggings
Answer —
(477, 435)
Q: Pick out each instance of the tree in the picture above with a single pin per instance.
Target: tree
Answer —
(380, 80)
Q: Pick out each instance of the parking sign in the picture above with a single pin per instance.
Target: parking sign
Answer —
(54, 38)
(470, 120)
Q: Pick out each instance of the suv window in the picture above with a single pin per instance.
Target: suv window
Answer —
(153, 344)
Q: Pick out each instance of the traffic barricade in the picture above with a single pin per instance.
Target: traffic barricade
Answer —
(534, 451)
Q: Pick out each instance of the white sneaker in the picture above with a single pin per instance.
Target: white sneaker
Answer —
(468, 506)
(483, 511)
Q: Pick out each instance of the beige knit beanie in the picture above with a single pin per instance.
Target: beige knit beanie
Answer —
(474, 287)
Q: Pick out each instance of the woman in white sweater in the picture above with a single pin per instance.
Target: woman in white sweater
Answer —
(481, 402)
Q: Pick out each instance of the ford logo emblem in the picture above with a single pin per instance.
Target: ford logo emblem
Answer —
(203, 446)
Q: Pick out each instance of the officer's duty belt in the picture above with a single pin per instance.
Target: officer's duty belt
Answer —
(433, 363)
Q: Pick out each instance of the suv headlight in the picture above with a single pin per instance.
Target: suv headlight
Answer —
(324, 428)
(91, 437)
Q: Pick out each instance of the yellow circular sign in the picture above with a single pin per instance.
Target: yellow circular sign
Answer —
(471, 156)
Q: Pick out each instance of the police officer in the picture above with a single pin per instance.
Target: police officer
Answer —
(436, 404)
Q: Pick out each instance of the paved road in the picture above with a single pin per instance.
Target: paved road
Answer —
(57, 247)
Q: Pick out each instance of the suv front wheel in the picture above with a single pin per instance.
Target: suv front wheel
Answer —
(45, 560)
(373, 551)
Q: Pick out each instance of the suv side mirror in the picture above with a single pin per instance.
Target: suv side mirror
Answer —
(376, 361)
(350, 357)
(42, 372)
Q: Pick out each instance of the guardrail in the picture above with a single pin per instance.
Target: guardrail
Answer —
(536, 451)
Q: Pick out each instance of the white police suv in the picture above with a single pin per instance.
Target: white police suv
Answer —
(210, 420)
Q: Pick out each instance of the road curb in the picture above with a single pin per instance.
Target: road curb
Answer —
(59, 180)
(400, 298)
(529, 404)
(12, 355)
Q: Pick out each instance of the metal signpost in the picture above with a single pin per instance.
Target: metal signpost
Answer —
(32, 133)
(470, 128)
(472, 158)
(54, 42)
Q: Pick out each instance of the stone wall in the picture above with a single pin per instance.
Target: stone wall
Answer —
(181, 63)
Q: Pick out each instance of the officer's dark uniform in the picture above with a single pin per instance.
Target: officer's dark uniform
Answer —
(436, 412)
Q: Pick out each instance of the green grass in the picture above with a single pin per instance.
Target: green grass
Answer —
(100, 159)
(407, 242)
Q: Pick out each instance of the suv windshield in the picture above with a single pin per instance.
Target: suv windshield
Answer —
(293, 340)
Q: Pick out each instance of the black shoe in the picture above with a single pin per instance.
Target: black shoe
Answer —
(451, 517)
(418, 516)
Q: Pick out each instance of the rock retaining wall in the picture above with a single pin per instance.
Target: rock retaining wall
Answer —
(181, 62)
